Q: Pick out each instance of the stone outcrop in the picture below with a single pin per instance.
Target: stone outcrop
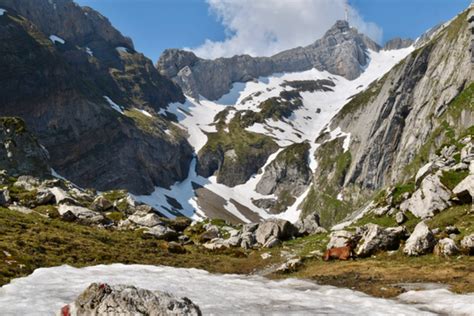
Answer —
(420, 242)
(341, 51)
(309, 225)
(20, 152)
(376, 238)
(467, 244)
(446, 247)
(431, 198)
(271, 230)
(104, 299)
(89, 142)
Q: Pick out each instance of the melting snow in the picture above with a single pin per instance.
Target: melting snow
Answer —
(48, 289)
(114, 105)
(305, 124)
(55, 38)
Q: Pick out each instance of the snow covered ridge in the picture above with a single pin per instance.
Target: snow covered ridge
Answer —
(305, 124)
(56, 39)
(48, 289)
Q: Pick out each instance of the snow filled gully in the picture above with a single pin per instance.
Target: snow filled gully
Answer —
(48, 289)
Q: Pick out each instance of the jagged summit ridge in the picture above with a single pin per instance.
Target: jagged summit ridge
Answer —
(341, 51)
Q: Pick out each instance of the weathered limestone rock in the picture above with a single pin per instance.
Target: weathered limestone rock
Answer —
(431, 198)
(340, 238)
(420, 242)
(309, 225)
(467, 244)
(162, 232)
(4, 197)
(446, 247)
(104, 299)
(145, 220)
(400, 218)
(465, 189)
(81, 214)
(274, 228)
(376, 238)
(101, 204)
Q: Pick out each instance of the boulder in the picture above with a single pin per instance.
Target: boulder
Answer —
(215, 244)
(467, 244)
(209, 235)
(465, 189)
(424, 171)
(467, 153)
(278, 228)
(421, 241)
(382, 210)
(104, 299)
(44, 197)
(145, 220)
(290, 266)
(234, 241)
(272, 242)
(4, 197)
(446, 247)
(27, 183)
(309, 225)
(62, 196)
(162, 232)
(376, 238)
(101, 204)
(21, 209)
(452, 230)
(248, 240)
(340, 238)
(400, 218)
(179, 223)
(174, 247)
(431, 198)
(251, 227)
(81, 214)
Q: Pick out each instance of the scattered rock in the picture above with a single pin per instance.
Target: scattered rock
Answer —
(248, 240)
(291, 265)
(162, 232)
(467, 244)
(431, 198)
(101, 204)
(309, 225)
(104, 299)
(215, 244)
(424, 171)
(376, 238)
(266, 255)
(4, 197)
(179, 223)
(81, 214)
(62, 196)
(27, 183)
(174, 247)
(251, 227)
(340, 238)
(209, 235)
(421, 241)
(145, 220)
(44, 197)
(275, 228)
(446, 247)
(400, 218)
(452, 230)
(21, 209)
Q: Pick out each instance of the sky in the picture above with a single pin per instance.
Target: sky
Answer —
(223, 28)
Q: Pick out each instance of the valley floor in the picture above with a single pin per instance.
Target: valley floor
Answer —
(30, 241)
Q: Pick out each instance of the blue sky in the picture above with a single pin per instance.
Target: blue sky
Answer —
(155, 25)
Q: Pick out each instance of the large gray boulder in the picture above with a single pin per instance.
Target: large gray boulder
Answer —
(341, 238)
(162, 232)
(4, 197)
(80, 214)
(465, 189)
(309, 225)
(274, 229)
(467, 244)
(376, 238)
(431, 198)
(145, 220)
(104, 299)
(420, 242)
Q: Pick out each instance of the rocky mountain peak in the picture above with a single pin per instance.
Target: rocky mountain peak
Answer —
(340, 26)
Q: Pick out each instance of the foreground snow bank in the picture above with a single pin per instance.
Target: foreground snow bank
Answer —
(48, 289)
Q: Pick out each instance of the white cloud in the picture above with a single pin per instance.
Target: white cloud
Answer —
(265, 27)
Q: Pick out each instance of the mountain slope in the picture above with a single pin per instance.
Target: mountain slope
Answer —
(397, 123)
(89, 97)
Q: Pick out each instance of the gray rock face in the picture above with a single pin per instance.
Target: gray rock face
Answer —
(376, 238)
(20, 152)
(398, 43)
(309, 225)
(397, 115)
(341, 51)
(272, 229)
(420, 242)
(288, 173)
(104, 299)
(88, 141)
(431, 198)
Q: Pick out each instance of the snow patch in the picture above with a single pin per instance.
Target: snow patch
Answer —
(145, 112)
(121, 49)
(46, 290)
(2, 11)
(56, 39)
(89, 51)
(114, 105)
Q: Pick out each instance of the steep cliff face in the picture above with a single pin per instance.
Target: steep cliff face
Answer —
(341, 51)
(20, 152)
(398, 121)
(89, 97)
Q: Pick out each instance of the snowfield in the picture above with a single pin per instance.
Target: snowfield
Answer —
(306, 123)
(48, 289)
